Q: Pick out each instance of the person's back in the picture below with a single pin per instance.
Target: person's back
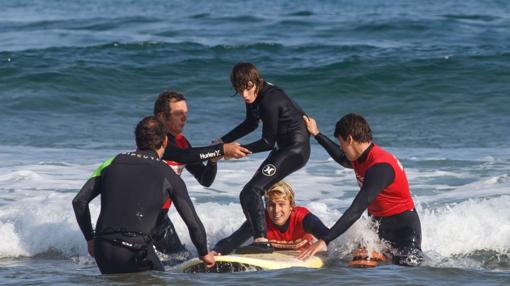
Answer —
(132, 193)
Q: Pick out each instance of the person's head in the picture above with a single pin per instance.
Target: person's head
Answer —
(171, 108)
(150, 134)
(280, 202)
(352, 130)
(246, 80)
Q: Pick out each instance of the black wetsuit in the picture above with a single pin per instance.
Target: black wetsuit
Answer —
(133, 187)
(165, 237)
(283, 128)
(311, 224)
(402, 231)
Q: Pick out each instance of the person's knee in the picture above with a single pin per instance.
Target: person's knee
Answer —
(408, 256)
(251, 192)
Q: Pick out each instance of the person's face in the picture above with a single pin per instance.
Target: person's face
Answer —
(176, 120)
(279, 210)
(348, 147)
(249, 94)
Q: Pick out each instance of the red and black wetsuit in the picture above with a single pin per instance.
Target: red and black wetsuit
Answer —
(385, 194)
(284, 134)
(298, 231)
(165, 237)
(133, 187)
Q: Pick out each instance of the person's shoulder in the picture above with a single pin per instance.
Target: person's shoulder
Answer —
(301, 211)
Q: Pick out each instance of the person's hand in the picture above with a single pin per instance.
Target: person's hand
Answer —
(234, 150)
(90, 247)
(311, 125)
(208, 259)
(313, 249)
(215, 253)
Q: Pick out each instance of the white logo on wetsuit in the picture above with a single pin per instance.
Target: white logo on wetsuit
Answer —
(209, 155)
(269, 170)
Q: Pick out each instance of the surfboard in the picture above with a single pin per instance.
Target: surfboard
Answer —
(252, 262)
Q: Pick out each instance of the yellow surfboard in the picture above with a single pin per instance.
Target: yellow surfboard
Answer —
(252, 262)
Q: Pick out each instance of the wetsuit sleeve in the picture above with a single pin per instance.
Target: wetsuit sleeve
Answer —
(192, 155)
(250, 123)
(270, 112)
(333, 150)
(88, 192)
(179, 195)
(236, 239)
(312, 224)
(205, 174)
(377, 178)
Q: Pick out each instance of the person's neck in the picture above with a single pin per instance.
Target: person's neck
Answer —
(360, 148)
(160, 151)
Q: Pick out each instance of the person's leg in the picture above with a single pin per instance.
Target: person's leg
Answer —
(165, 237)
(403, 231)
(278, 165)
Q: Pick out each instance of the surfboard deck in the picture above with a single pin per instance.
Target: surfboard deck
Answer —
(252, 262)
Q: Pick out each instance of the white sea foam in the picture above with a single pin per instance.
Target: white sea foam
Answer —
(457, 219)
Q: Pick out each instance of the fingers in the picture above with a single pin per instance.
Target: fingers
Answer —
(305, 254)
(235, 150)
(208, 260)
(311, 125)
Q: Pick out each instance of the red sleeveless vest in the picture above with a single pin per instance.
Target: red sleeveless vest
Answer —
(295, 237)
(396, 198)
(181, 142)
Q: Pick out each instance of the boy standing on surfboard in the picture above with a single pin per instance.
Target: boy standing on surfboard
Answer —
(283, 133)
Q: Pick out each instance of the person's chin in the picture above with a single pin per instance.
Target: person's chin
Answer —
(279, 223)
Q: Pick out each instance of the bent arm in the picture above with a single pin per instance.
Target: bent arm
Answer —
(249, 124)
(236, 239)
(192, 155)
(88, 192)
(377, 178)
(205, 174)
(269, 111)
(312, 224)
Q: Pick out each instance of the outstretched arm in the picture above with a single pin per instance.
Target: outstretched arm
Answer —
(331, 147)
(377, 178)
(179, 195)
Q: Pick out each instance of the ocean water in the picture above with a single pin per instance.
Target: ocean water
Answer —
(431, 77)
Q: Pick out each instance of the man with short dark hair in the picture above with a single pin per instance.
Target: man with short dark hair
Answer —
(171, 108)
(384, 189)
(133, 187)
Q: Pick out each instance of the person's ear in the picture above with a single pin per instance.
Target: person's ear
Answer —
(165, 142)
(349, 139)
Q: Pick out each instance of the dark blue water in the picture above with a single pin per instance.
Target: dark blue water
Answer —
(432, 78)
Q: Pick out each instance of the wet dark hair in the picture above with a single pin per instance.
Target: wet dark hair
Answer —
(242, 73)
(355, 125)
(162, 104)
(150, 133)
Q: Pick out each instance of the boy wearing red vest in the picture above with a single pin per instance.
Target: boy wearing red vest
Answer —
(384, 190)
(289, 227)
